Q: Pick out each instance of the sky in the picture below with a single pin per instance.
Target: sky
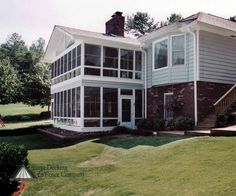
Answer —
(36, 18)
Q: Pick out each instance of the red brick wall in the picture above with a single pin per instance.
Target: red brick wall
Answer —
(183, 96)
(208, 94)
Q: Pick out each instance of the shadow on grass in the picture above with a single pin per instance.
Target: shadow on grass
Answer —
(35, 141)
(129, 141)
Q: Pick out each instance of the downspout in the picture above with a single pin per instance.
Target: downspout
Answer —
(195, 75)
(145, 83)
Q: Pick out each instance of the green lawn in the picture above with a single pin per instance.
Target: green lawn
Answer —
(135, 166)
(25, 124)
(19, 108)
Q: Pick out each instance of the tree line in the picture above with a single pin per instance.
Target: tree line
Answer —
(142, 23)
(23, 77)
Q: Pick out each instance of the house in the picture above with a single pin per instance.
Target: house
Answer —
(100, 80)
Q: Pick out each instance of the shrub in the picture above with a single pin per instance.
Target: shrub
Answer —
(183, 123)
(158, 125)
(45, 115)
(230, 118)
(120, 130)
(25, 118)
(12, 157)
(145, 124)
(170, 124)
(221, 120)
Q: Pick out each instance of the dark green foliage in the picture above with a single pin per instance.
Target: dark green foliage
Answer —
(221, 120)
(140, 23)
(37, 86)
(230, 119)
(145, 124)
(10, 84)
(16, 50)
(170, 124)
(26, 117)
(12, 157)
(174, 18)
(233, 18)
(158, 125)
(184, 123)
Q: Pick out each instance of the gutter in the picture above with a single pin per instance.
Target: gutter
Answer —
(145, 82)
(196, 74)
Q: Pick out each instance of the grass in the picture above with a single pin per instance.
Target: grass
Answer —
(16, 125)
(135, 166)
(24, 110)
(20, 109)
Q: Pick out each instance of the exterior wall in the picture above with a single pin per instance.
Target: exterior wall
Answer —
(183, 99)
(208, 94)
(217, 58)
(176, 74)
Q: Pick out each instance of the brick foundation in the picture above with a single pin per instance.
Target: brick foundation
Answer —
(183, 99)
(208, 94)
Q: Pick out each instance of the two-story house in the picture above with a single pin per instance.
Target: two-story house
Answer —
(101, 80)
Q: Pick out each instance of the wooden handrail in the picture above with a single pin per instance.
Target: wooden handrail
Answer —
(225, 101)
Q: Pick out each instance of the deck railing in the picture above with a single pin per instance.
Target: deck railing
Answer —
(225, 101)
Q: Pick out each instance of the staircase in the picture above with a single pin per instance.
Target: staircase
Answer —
(224, 104)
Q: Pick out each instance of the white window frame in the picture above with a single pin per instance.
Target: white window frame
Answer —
(171, 49)
(153, 53)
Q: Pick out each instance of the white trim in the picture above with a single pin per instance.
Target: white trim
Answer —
(82, 105)
(153, 51)
(195, 75)
(101, 107)
(171, 49)
(165, 94)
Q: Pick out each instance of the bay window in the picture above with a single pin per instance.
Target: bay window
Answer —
(178, 50)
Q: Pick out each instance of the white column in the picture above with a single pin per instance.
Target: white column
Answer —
(82, 106)
(101, 107)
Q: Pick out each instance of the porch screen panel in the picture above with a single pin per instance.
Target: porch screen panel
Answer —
(78, 56)
(78, 102)
(69, 103)
(73, 102)
(91, 102)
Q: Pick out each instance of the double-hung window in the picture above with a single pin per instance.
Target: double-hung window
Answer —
(178, 50)
(161, 54)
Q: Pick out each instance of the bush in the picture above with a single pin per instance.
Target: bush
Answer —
(25, 118)
(183, 123)
(120, 130)
(45, 115)
(158, 125)
(221, 120)
(12, 157)
(170, 124)
(145, 124)
(230, 119)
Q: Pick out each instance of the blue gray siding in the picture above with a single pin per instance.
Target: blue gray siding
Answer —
(176, 74)
(217, 58)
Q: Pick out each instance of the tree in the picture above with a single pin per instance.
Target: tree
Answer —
(37, 49)
(140, 23)
(174, 18)
(37, 86)
(233, 18)
(14, 49)
(10, 84)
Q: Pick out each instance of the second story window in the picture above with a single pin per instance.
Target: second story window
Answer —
(138, 65)
(110, 62)
(178, 50)
(92, 59)
(161, 54)
(92, 55)
(126, 63)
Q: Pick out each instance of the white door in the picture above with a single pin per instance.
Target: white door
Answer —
(126, 111)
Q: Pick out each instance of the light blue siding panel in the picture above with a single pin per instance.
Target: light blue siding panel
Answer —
(217, 58)
(175, 74)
